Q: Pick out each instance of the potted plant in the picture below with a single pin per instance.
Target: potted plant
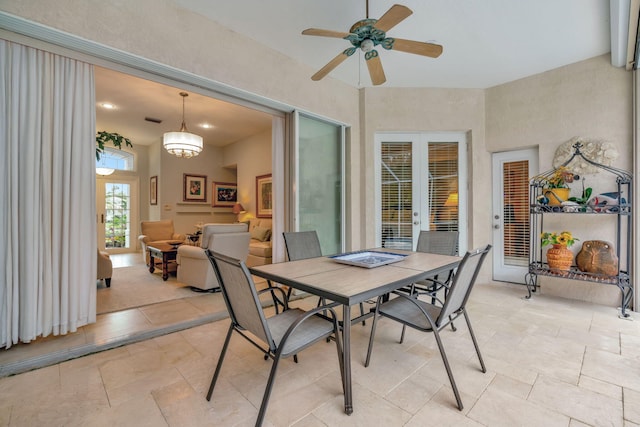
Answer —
(556, 189)
(114, 138)
(559, 257)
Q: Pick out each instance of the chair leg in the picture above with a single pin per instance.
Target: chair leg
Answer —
(362, 313)
(340, 354)
(373, 333)
(107, 282)
(267, 390)
(448, 368)
(404, 328)
(475, 343)
(219, 365)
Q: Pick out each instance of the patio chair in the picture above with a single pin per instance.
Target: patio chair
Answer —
(303, 245)
(282, 335)
(434, 242)
(428, 317)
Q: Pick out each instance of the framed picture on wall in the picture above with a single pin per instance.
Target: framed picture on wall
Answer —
(195, 188)
(264, 196)
(225, 194)
(153, 190)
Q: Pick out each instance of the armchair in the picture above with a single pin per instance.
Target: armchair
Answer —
(105, 267)
(157, 232)
(194, 267)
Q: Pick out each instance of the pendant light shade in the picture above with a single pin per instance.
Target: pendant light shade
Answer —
(182, 143)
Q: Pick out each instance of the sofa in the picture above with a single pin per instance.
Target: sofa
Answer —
(260, 249)
(158, 232)
(194, 267)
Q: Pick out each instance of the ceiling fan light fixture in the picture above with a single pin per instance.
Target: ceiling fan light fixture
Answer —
(366, 45)
(182, 143)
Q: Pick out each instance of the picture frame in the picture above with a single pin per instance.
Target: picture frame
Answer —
(153, 190)
(194, 188)
(264, 196)
(225, 194)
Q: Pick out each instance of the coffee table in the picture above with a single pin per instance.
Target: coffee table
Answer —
(165, 252)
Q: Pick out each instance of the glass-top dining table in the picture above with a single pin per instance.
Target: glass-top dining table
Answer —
(351, 285)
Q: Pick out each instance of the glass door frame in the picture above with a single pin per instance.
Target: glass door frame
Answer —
(293, 160)
(134, 183)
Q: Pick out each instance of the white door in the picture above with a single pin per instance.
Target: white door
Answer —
(421, 185)
(116, 201)
(511, 173)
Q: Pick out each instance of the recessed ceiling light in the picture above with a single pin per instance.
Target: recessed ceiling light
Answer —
(108, 106)
(206, 126)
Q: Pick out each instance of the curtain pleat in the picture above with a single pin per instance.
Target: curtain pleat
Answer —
(47, 134)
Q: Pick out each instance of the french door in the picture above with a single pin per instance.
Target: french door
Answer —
(116, 201)
(421, 185)
(511, 173)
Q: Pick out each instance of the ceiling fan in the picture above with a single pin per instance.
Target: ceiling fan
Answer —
(366, 34)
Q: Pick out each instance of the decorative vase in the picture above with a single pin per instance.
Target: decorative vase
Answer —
(559, 257)
(556, 195)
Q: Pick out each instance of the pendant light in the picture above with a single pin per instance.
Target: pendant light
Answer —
(182, 143)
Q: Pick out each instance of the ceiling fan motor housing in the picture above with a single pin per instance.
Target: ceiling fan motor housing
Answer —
(364, 30)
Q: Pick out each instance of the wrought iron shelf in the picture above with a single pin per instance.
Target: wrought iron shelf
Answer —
(542, 269)
(621, 213)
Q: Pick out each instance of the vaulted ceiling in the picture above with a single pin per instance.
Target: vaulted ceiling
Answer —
(486, 43)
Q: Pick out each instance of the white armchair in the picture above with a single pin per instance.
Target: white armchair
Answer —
(194, 267)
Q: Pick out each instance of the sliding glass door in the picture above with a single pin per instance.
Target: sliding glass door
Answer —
(318, 181)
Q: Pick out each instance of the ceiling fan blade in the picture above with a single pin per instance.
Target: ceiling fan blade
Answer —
(325, 33)
(396, 14)
(330, 66)
(418, 48)
(375, 69)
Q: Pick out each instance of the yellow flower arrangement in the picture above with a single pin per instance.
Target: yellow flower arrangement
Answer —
(563, 238)
(560, 178)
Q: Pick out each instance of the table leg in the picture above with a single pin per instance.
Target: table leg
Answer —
(346, 356)
(151, 263)
(165, 267)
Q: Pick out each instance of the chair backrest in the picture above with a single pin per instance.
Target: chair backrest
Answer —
(463, 281)
(302, 245)
(438, 242)
(209, 230)
(157, 230)
(240, 296)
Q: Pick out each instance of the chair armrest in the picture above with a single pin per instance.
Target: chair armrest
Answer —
(187, 251)
(178, 236)
(144, 238)
(285, 299)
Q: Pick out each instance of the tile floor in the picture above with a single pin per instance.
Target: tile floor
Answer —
(550, 361)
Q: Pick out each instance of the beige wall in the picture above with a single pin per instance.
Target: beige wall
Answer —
(589, 99)
(252, 157)
(424, 109)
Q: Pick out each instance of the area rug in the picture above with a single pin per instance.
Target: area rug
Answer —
(136, 287)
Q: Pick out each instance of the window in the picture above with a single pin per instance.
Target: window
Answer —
(112, 158)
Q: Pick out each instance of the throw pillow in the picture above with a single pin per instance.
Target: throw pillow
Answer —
(260, 233)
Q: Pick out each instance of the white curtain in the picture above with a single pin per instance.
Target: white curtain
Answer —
(47, 194)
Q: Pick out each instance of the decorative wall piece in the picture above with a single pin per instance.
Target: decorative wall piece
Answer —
(225, 194)
(195, 188)
(153, 190)
(596, 150)
(264, 196)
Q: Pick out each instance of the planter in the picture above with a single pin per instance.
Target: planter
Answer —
(559, 257)
(556, 195)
